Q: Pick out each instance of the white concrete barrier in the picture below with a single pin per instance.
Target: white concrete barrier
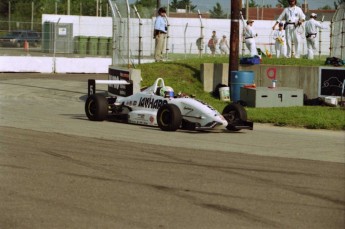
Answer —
(53, 65)
(26, 64)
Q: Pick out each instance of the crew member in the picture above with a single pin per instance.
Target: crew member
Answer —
(294, 17)
(249, 35)
(160, 33)
(311, 27)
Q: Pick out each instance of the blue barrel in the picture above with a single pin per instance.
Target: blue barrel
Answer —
(238, 79)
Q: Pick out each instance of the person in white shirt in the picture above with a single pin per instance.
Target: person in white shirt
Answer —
(311, 27)
(294, 17)
(249, 35)
(280, 44)
(160, 33)
(224, 46)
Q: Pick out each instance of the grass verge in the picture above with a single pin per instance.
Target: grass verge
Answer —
(184, 75)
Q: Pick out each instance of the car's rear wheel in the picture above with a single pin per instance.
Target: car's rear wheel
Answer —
(233, 113)
(96, 107)
(169, 117)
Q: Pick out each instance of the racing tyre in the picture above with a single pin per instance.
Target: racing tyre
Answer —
(169, 117)
(96, 107)
(234, 113)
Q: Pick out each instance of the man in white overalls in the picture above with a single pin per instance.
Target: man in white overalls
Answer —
(249, 36)
(294, 17)
(311, 27)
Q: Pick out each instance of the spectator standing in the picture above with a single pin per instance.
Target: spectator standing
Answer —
(280, 43)
(223, 45)
(294, 17)
(249, 36)
(311, 27)
(160, 33)
(212, 43)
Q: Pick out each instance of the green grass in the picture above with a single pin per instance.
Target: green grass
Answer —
(184, 75)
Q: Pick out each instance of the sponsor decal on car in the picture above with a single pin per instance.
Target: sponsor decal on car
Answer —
(151, 103)
(152, 119)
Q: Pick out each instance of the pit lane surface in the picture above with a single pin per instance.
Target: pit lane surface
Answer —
(59, 170)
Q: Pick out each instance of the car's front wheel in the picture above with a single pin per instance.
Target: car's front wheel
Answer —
(96, 107)
(234, 113)
(169, 117)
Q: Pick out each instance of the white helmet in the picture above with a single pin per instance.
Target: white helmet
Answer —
(167, 92)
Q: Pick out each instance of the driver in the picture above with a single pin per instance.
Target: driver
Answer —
(167, 92)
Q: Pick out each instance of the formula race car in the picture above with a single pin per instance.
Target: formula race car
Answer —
(157, 105)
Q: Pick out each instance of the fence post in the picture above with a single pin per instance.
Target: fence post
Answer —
(201, 35)
(140, 34)
(185, 41)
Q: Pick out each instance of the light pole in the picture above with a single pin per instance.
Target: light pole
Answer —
(32, 15)
(9, 16)
(97, 6)
(262, 11)
(68, 7)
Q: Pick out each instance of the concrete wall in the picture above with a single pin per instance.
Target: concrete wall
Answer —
(306, 78)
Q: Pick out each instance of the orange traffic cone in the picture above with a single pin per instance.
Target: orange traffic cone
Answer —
(26, 45)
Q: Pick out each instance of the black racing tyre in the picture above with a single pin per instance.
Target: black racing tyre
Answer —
(234, 113)
(169, 117)
(96, 107)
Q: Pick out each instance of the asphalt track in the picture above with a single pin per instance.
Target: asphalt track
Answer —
(59, 170)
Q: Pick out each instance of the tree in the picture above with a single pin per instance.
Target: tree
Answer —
(326, 7)
(252, 4)
(145, 7)
(284, 3)
(217, 12)
(339, 2)
(182, 4)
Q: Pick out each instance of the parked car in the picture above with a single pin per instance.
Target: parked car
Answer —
(16, 38)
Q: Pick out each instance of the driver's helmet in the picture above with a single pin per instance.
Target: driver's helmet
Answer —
(167, 92)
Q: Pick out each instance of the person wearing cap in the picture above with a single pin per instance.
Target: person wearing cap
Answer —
(249, 35)
(160, 33)
(311, 27)
(223, 46)
(294, 17)
(280, 44)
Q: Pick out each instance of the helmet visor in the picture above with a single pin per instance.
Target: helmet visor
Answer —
(169, 94)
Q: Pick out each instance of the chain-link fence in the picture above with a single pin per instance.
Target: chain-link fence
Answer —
(126, 37)
(338, 33)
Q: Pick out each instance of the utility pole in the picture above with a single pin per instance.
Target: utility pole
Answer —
(158, 4)
(234, 36)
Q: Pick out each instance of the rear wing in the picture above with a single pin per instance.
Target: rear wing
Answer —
(114, 85)
(121, 82)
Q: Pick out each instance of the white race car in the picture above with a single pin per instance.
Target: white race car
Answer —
(158, 106)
